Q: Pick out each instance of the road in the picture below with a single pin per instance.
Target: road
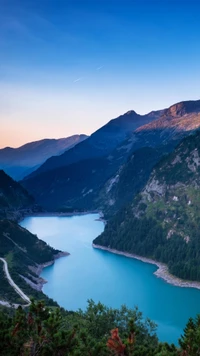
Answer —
(12, 283)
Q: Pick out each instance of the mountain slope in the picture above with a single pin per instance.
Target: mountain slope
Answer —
(13, 197)
(101, 142)
(163, 221)
(65, 187)
(130, 179)
(23, 251)
(21, 161)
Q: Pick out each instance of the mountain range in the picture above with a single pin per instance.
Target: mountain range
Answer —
(143, 172)
(21, 161)
(93, 173)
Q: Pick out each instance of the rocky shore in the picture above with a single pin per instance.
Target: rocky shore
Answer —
(38, 270)
(161, 272)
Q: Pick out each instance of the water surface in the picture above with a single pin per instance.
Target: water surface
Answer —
(112, 279)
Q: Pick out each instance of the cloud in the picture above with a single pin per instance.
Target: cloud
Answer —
(99, 68)
(77, 80)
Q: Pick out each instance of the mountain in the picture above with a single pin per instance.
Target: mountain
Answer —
(162, 222)
(23, 251)
(82, 170)
(98, 183)
(101, 142)
(14, 199)
(25, 255)
(144, 149)
(129, 179)
(18, 162)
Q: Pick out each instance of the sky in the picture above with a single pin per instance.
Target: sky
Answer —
(69, 66)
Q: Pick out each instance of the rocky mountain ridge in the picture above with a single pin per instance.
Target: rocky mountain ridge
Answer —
(84, 184)
(101, 142)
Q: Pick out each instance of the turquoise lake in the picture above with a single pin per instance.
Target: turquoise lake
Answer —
(112, 279)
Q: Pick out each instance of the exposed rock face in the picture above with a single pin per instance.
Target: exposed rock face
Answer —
(174, 185)
(154, 186)
(183, 108)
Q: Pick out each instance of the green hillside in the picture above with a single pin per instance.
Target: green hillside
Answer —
(162, 222)
(24, 253)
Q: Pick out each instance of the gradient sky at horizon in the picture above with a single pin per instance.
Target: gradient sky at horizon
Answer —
(69, 66)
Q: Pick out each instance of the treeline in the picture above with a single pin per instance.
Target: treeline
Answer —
(147, 237)
(98, 331)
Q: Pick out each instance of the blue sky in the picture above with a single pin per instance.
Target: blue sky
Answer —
(70, 66)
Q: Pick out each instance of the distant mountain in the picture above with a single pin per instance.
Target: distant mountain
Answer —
(101, 142)
(99, 182)
(18, 162)
(162, 222)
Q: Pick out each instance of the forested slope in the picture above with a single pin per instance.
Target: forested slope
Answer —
(24, 253)
(163, 220)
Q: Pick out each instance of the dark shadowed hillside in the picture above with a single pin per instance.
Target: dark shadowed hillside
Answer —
(23, 251)
(18, 162)
(101, 142)
(13, 197)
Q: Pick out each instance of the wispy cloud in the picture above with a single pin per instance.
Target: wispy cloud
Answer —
(77, 80)
(99, 68)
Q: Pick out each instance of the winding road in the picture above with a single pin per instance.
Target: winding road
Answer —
(13, 284)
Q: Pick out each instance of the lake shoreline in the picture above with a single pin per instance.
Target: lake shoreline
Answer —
(162, 271)
(47, 214)
(38, 270)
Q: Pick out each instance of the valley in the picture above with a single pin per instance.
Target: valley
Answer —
(145, 181)
(99, 178)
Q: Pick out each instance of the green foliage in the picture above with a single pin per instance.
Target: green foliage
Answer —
(97, 331)
(44, 331)
(190, 340)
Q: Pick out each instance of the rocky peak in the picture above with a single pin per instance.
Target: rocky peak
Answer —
(131, 112)
(182, 108)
